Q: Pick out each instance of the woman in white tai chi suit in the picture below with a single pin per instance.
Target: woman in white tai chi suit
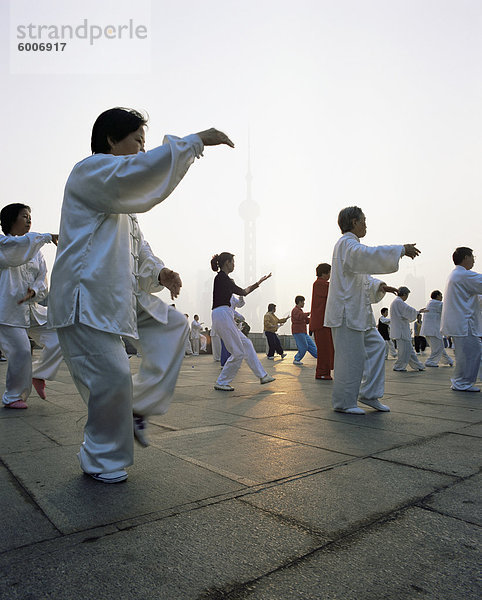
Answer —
(401, 315)
(431, 330)
(236, 343)
(23, 283)
(101, 283)
(359, 348)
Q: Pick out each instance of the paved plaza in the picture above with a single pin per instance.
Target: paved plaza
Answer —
(263, 493)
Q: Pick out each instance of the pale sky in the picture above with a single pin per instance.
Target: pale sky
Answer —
(369, 102)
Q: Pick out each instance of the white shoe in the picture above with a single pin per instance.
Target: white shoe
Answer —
(140, 430)
(375, 404)
(351, 411)
(266, 379)
(270, 357)
(472, 388)
(114, 477)
(297, 362)
(223, 388)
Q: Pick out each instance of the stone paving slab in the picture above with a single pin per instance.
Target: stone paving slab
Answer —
(345, 437)
(398, 421)
(17, 435)
(74, 502)
(247, 454)
(462, 500)
(21, 521)
(451, 454)
(417, 555)
(178, 558)
(336, 500)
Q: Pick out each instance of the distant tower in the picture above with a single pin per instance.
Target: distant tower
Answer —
(249, 211)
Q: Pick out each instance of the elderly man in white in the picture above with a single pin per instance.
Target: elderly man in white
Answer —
(462, 319)
(431, 330)
(401, 315)
(101, 283)
(359, 348)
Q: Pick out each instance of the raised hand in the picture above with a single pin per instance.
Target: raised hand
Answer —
(388, 289)
(411, 250)
(213, 137)
(171, 280)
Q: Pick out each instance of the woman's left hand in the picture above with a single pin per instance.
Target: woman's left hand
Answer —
(30, 294)
(264, 278)
(171, 280)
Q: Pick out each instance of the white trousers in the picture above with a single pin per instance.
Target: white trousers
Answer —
(237, 344)
(100, 369)
(437, 353)
(216, 346)
(195, 346)
(16, 347)
(467, 361)
(204, 342)
(359, 366)
(406, 356)
(390, 349)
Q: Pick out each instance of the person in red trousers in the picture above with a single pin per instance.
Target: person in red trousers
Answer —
(324, 343)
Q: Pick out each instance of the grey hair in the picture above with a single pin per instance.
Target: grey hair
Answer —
(403, 291)
(346, 216)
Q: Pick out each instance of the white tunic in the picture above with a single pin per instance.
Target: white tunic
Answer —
(401, 315)
(352, 290)
(461, 314)
(22, 266)
(431, 319)
(195, 329)
(103, 266)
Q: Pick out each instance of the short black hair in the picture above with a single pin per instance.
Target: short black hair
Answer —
(460, 253)
(323, 268)
(299, 299)
(116, 124)
(9, 214)
(435, 293)
(271, 306)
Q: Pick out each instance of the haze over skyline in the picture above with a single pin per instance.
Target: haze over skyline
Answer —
(373, 102)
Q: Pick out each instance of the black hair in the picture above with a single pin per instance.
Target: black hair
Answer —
(460, 253)
(435, 293)
(218, 260)
(323, 268)
(299, 299)
(383, 310)
(9, 215)
(116, 124)
(271, 306)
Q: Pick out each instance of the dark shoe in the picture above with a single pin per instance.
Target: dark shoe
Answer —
(114, 477)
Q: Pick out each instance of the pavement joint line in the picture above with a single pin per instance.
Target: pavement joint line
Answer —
(240, 590)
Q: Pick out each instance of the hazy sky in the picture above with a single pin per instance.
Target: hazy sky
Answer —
(369, 102)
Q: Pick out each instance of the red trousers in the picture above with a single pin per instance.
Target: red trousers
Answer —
(326, 353)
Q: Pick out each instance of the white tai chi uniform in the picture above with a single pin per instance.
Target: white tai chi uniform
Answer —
(22, 266)
(215, 345)
(359, 348)
(431, 330)
(462, 320)
(101, 283)
(195, 333)
(401, 315)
